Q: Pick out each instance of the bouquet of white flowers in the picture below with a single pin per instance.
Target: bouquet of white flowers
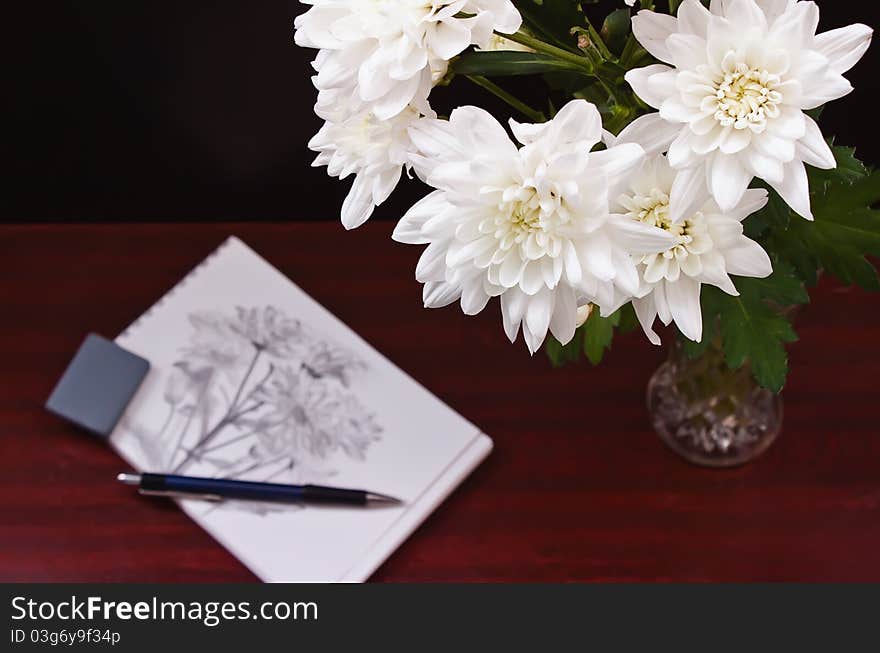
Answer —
(685, 176)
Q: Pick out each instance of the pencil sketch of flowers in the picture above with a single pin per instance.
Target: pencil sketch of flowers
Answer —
(319, 418)
(257, 394)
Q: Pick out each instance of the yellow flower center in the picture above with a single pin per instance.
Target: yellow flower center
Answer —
(745, 98)
(691, 236)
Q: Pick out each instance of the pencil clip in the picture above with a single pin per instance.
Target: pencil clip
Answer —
(180, 495)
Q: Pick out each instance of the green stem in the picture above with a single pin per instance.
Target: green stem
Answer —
(522, 107)
(620, 118)
(599, 53)
(609, 89)
(590, 66)
(539, 46)
(632, 52)
(599, 42)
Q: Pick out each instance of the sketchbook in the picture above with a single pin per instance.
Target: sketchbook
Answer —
(253, 379)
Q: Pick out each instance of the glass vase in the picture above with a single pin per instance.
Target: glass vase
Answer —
(709, 414)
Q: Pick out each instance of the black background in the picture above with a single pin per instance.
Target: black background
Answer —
(192, 110)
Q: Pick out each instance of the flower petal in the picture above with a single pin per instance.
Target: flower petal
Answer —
(409, 229)
(728, 180)
(715, 272)
(437, 294)
(813, 149)
(753, 201)
(449, 39)
(595, 256)
(825, 90)
(693, 18)
(748, 259)
(639, 238)
(797, 27)
(478, 131)
(651, 29)
(396, 99)
(619, 160)
(683, 297)
(790, 124)
(473, 297)
(773, 9)
(647, 313)
(689, 193)
(735, 140)
(744, 14)
(651, 132)
(432, 263)
(795, 189)
(681, 153)
(532, 280)
(651, 85)
(563, 324)
(435, 140)
(765, 167)
(627, 275)
(687, 50)
(358, 205)
(513, 307)
(844, 47)
(662, 304)
(510, 272)
(676, 111)
(577, 121)
(539, 310)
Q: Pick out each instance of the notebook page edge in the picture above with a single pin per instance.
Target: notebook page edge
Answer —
(427, 503)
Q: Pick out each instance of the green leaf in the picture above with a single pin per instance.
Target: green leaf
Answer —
(560, 354)
(784, 288)
(753, 331)
(753, 326)
(849, 169)
(628, 320)
(696, 349)
(816, 113)
(776, 215)
(591, 340)
(612, 72)
(616, 29)
(845, 232)
(598, 334)
(506, 63)
(750, 331)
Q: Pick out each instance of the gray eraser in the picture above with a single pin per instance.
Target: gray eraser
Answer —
(97, 385)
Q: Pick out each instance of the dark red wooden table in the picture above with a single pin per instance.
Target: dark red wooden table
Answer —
(577, 489)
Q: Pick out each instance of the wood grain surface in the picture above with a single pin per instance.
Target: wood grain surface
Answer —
(577, 489)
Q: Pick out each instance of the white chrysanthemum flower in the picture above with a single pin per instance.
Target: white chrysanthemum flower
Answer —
(528, 225)
(384, 48)
(377, 63)
(709, 246)
(373, 150)
(732, 100)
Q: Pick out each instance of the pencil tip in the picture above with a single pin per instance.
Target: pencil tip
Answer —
(375, 497)
(128, 479)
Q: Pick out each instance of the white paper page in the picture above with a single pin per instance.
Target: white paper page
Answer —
(253, 379)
